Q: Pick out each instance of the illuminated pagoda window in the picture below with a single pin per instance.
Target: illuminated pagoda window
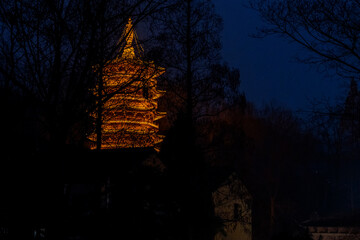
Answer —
(130, 114)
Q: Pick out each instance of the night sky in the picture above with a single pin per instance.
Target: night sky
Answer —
(269, 72)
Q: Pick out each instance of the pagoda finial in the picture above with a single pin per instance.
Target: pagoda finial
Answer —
(128, 33)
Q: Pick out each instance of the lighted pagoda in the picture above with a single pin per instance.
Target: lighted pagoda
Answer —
(130, 114)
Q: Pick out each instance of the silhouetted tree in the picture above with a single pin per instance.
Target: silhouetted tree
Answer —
(188, 43)
(48, 51)
(276, 158)
(198, 84)
(350, 131)
(350, 119)
(337, 127)
(328, 29)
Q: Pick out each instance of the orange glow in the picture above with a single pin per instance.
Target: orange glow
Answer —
(130, 113)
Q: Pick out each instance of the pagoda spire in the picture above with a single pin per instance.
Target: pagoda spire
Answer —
(129, 51)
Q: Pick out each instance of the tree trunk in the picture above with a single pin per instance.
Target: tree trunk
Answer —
(189, 104)
(100, 89)
(99, 114)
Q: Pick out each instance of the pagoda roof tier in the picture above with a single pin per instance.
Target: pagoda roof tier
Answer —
(141, 139)
(148, 117)
(129, 113)
(132, 67)
(139, 129)
(135, 106)
(127, 97)
(134, 84)
(145, 142)
(133, 123)
(139, 144)
(142, 108)
(132, 100)
(130, 132)
(138, 94)
(136, 98)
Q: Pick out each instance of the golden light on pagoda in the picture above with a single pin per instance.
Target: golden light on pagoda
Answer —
(130, 114)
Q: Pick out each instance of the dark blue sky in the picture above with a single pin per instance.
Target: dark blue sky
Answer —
(268, 70)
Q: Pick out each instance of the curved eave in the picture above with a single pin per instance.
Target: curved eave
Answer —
(131, 131)
(142, 109)
(133, 98)
(134, 122)
(158, 94)
(159, 115)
